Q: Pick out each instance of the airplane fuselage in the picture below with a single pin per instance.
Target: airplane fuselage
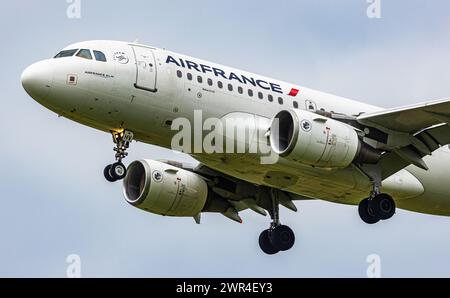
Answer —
(144, 89)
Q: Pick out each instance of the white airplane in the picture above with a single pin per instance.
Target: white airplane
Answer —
(327, 147)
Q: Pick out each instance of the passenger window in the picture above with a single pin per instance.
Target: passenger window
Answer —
(210, 82)
(66, 53)
(295, 105)
(179, 74)
(200, 79)
(240, 90)
(280, 100)
(260, 95)
(270, 97)
(250, 92)
(230, 87)
(85, 53)
(219, 84)
(99, 56)
(310, 105)
(189, 76)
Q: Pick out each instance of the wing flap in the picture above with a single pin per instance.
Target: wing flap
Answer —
(440, 134)
(429, 140)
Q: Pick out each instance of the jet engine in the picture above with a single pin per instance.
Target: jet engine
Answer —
(311, 139)
(163, 189)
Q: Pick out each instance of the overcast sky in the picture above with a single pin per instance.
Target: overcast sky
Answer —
(55, 201)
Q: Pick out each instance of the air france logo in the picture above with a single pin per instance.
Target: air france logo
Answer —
(230, 76)
(157, 176)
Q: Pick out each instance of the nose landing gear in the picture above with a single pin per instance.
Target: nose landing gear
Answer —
(117, 171)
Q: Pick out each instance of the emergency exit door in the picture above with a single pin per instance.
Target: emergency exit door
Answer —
(145, 68)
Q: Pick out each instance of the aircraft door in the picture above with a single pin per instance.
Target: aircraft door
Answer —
(145, 68)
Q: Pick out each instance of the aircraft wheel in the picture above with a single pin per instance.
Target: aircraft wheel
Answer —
(265, 244)
(282, 237)
(106, 173)
(118, 171)
(367, 213)
(384, 206)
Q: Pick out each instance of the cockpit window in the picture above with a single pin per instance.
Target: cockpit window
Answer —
(66, 53)
(99, 56)
(85, 53)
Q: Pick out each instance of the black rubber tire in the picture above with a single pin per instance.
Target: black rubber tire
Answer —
(282, 238)
(118, 171)
(384, 206)
(107, 175)
(265, 244)
(367, 215)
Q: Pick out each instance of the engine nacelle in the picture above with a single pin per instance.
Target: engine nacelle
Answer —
(312, 139)
(164, 189)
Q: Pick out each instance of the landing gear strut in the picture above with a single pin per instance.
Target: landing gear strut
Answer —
(117, 171)
(278, 237)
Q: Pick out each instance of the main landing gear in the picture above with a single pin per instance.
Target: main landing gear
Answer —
(378, 206)
(278, 237)
(117, 171)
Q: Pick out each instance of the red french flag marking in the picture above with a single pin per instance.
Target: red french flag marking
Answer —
(293, 92)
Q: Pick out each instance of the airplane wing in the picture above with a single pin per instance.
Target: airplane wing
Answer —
(409, 119)
(412, 132)
(239, 194)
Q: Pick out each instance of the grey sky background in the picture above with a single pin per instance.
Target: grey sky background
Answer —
(55, 202)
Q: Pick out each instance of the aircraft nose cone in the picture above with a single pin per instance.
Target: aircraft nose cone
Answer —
(37, 78)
